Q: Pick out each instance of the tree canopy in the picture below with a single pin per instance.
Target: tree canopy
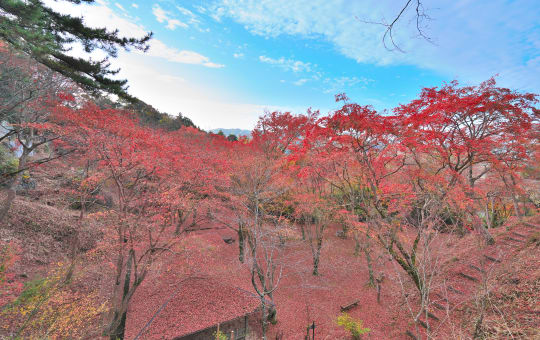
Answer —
(49, 36)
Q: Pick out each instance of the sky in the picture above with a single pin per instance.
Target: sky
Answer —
(222, 63)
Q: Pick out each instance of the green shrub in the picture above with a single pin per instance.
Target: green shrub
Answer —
(219, 335)
(8, 163)
(355, 327)
(534, 239)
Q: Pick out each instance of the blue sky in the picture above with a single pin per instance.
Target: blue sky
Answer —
(223, 62)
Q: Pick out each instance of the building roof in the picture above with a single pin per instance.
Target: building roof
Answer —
(190, 305)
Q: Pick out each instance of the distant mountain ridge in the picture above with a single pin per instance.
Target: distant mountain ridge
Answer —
(237, 132)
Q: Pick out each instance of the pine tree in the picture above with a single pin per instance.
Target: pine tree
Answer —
(46, 35)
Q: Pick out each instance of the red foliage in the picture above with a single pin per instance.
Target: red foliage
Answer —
(386, 177)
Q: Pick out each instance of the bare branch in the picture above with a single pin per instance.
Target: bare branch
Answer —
(420, 16)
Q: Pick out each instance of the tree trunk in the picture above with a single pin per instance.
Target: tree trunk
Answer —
(478, 327)
(513, 193)
(241, 243)
(74, 245)
(516, 208)
(356, 244)
(369, 261)
(83, 195)
(272, 315)
(193, 219)
(180, 222)
(316, 256)
(83, 207)
(378, 292)
(12, 185)
(118, 333)
(406, 261)
(120, 314)
(488, 215)
(485, 234)
(345, 230)
(264, 318)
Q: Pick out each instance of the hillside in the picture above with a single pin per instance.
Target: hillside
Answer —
(106, 217)
(388, 216)
(504, 274)
(237, 132)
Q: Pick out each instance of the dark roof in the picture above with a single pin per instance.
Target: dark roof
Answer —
(187, 307)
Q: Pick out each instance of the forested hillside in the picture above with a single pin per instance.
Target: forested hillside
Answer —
(421, 222)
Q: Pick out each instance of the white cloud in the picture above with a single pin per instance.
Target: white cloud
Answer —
(159, 13)
(173, 23)
(340, 84)
(217, 13)
(473, 39)
(206, 107)
(192, 18)
(200, 9)
(287, 64)
(186, 11)
(161, 50)
(100, 15)
(301, 81)
(146, 75)
(120, 7)
(134, 5)
(238, 55)
(164, 16)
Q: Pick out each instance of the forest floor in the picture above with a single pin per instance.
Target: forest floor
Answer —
(512, 283)
(500, 282)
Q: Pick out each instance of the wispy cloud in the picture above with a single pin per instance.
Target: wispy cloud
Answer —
(163, 16)
(186, 11)
(238, 55)
(340, 84)
(192, 19)
(473, 39)
(102, 15)
(217, 13)
(287, 64)
(143, 72)
(200, 9)
(161, 50)
(120, 7)
(301, 81)
(134, 5)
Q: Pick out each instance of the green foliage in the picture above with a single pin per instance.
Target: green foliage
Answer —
(355, 327)
(498, 213)
(46, 35)
(534, 239)
(8, 163)
(172, 123)
(280, 207)
(33, 290)
(150, 116)
(219, 335)
(6, 259)
(50, 307)
(355, 193)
